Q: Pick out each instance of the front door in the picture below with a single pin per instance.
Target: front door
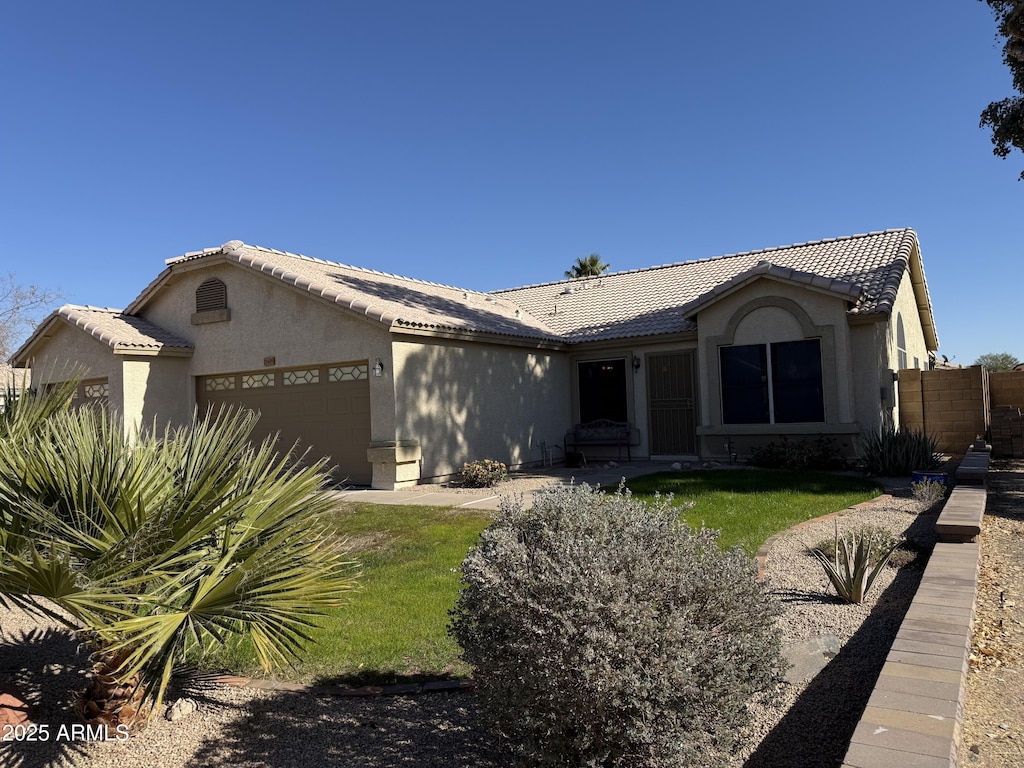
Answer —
(672, 403)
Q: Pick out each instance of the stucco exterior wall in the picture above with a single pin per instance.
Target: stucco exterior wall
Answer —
(270, 320)
(872, 378)
(774, 311)
(905, 307)
(470, 401)
(156, 392)
(70, 351)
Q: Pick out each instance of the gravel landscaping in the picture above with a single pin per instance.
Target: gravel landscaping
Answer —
(838, 650)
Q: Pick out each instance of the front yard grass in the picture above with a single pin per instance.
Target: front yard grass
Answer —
(748, 506)
(394, 629)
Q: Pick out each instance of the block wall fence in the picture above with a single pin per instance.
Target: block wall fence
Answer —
(957, 405)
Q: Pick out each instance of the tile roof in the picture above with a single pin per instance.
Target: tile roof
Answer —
(399, 302)
(119, 331)
(842, 288)
(865, 268)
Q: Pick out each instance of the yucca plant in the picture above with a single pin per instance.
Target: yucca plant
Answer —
(894, 453)
(162, 544)
(855, 563)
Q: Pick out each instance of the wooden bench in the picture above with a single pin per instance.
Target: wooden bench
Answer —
(601, 432)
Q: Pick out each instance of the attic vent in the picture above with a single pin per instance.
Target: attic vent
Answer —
(211, 295)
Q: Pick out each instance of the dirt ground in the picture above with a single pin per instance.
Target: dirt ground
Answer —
(993, 734)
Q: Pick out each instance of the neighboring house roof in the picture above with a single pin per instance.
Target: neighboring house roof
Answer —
(123, 333)
(401, 303)
(864, 269)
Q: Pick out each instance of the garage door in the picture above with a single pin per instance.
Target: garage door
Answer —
(324, 408)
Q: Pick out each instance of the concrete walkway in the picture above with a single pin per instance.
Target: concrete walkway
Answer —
(526, 483)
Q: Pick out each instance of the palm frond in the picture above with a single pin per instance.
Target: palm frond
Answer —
(164, 543)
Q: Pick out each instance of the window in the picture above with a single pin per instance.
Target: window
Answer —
(772, 383)
(901, 343)
(603, 390)
(257, 380)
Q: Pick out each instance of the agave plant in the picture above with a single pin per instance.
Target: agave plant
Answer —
(856, 561)
(161, 545)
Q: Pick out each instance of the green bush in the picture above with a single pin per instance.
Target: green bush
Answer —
(820, 453)
(605, 632)
(482, 474)
(894, 453)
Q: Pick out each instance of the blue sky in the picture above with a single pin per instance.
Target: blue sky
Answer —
(490, 144)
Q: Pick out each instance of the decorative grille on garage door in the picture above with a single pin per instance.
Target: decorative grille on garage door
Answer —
(323, 408)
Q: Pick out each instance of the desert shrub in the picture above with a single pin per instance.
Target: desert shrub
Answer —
(820, 453)
(616, 635)
(482, 474)
(928, 491)
(853, 561)
(894, 452)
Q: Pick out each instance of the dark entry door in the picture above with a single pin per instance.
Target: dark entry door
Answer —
(672, 403)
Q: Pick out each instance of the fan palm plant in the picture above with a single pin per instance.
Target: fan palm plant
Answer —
(591, 266)
(163, 544)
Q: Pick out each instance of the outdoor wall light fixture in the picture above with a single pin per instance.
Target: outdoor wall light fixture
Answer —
(636, 364)
(378, 367)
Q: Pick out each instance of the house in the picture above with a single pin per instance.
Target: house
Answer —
(12, 383)
(401, 380)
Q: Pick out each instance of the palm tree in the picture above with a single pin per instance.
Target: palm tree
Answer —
(162, 545)
(591, 266)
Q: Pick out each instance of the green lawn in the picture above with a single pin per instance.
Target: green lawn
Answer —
(749, 506)
(394, 628)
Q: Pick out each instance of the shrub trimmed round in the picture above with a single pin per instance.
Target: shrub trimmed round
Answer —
(604, 631)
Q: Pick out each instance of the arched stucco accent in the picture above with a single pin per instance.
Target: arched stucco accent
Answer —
(826, 333)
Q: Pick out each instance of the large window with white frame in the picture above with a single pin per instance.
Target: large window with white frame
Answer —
(778, 383)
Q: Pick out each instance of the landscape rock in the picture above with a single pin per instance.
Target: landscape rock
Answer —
(808, 657)
(180, 709)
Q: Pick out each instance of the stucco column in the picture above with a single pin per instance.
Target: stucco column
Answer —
(396, 463)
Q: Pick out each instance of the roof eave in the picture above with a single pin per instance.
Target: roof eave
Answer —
(129, 350)
(22, 357)
(535, 342)
(922, 298)
(823, 285)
